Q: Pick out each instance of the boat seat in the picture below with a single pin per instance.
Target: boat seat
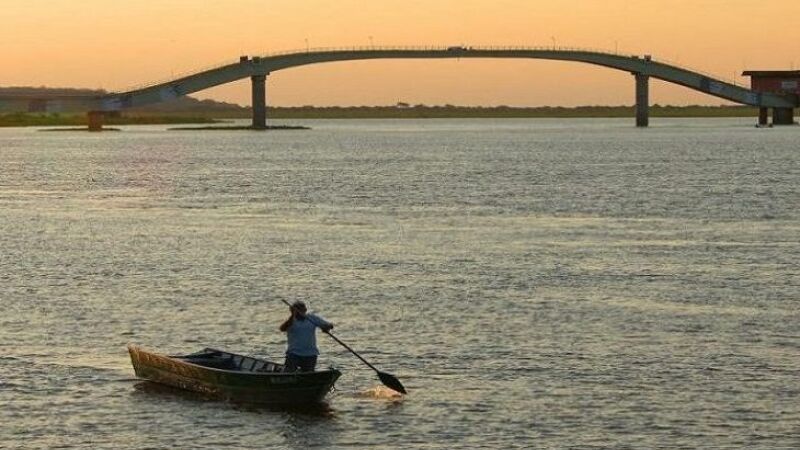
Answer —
(248, 364)
(215, 363)
(269, 368)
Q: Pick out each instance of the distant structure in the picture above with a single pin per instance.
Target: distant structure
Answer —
(782, 82)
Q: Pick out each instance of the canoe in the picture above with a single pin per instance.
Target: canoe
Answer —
(234, 377)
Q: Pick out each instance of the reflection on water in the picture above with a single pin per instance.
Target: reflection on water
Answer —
(159, 392)
(532, 283)
(154, 391)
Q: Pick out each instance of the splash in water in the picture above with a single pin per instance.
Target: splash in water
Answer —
(381, 392)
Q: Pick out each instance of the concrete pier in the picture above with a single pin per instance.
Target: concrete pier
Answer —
(259, 101)
(783, 116)
(96, 119)
(642, 100)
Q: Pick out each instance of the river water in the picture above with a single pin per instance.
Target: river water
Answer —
(533, 283)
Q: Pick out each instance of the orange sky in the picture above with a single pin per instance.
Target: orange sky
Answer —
(119, 44)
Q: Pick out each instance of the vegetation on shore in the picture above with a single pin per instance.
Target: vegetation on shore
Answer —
(377, 112)
(189, 110)
(449, 111)
(75, 120)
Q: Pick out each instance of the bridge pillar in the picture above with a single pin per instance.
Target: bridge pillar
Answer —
(763, 117)
(96, 119)
(642, 100)
(259, 101)
(783, 116)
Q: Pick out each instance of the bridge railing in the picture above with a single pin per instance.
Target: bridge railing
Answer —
(420, 48)
(187, 73)
(176, 76)
(700, 72)
(501, 48)
(439, 48)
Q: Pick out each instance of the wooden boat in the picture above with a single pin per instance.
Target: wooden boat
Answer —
(234, 377)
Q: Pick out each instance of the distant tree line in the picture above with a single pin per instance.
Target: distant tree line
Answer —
(450, 111)
(191, 110)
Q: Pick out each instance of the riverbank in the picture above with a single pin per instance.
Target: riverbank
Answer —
(243, 127)
(479, 112)
(77, 120)
(211, 117)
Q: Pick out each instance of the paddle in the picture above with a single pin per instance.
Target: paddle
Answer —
(387, 379)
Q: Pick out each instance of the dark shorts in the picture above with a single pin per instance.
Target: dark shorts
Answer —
(295, 363)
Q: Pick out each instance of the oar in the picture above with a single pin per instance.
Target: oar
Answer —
(387, 379)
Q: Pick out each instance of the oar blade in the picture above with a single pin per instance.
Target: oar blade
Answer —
(391, 382)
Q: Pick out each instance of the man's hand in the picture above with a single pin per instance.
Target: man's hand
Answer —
(285, 325)
(326, 328)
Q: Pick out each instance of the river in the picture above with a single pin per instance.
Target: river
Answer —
(533, 283)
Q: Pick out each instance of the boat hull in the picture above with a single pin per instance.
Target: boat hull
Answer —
(238, 385)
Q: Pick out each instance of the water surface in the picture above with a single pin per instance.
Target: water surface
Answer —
(533, 283)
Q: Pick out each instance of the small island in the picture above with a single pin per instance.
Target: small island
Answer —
(241, 127)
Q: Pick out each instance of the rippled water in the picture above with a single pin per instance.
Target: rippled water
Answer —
(532, 283)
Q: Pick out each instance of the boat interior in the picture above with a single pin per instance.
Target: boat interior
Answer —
(218, 359)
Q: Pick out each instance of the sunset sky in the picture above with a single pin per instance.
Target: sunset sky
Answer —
(119, 44)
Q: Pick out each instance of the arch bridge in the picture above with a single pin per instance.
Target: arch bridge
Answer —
(258, 68)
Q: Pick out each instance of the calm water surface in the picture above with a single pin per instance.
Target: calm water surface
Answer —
(533, 283)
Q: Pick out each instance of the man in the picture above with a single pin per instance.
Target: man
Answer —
(300, 329)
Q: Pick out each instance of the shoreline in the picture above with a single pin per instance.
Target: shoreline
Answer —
(214, 118)
(243, 127)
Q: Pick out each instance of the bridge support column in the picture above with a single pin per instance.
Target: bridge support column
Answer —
(259, 101)
(783, 116)
(96, 119)
(642, 100)
(763, 117)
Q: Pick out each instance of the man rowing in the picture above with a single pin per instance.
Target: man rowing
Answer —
(300, 329)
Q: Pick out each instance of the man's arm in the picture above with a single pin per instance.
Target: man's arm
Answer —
(323, 324)
(285, 325)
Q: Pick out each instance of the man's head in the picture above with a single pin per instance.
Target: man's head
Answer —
(299, 309)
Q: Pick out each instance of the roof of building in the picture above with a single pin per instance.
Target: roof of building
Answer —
(771, 73)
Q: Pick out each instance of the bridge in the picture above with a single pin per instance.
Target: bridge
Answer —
(258, 68)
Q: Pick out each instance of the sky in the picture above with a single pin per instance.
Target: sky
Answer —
(116, 45)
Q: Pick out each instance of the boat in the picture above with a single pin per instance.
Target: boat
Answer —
(234, 377)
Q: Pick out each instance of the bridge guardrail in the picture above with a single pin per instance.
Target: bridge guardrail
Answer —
(188, 73)
(440, 48)
(695, 70)
(174, 77)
